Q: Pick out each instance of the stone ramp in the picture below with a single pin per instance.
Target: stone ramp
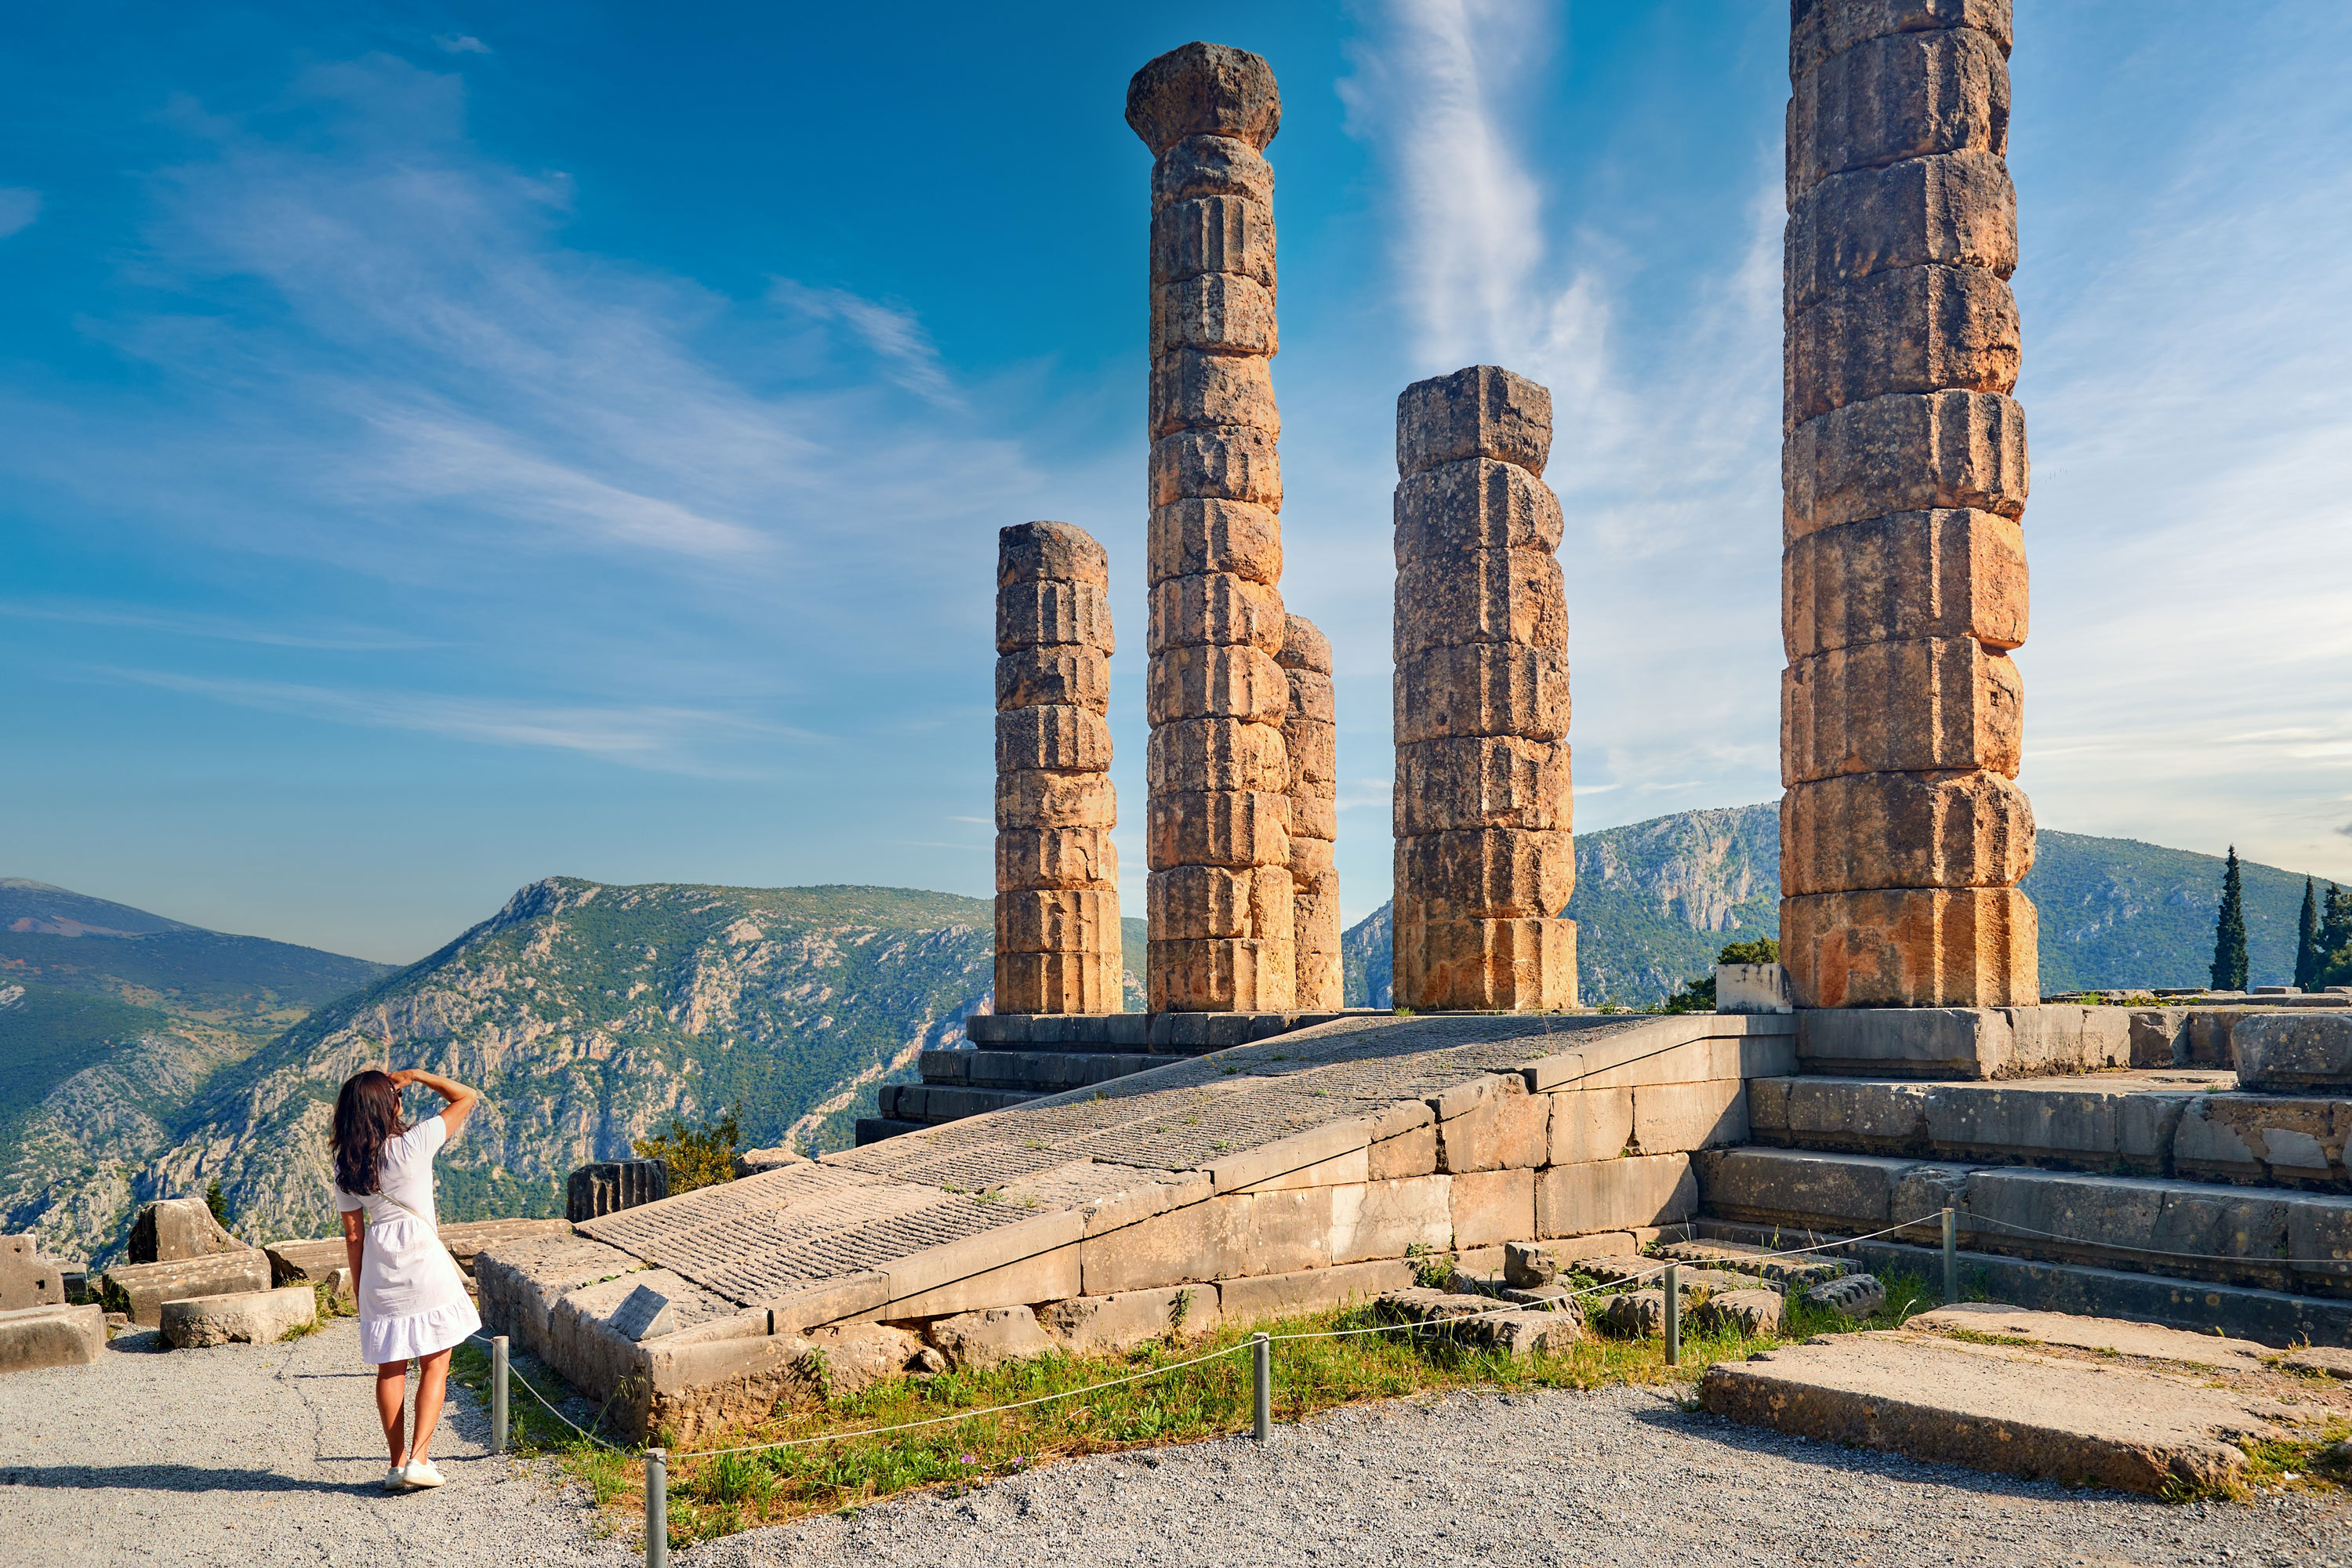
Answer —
(1291, 1173)
(2087, 1401)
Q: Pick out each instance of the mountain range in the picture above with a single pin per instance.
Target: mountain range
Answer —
(143, 1058)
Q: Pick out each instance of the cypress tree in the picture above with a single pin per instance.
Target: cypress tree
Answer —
(2307, 951)
(2334, 965)
(2229, 931)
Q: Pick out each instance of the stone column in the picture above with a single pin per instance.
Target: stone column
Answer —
(1903, 836)
(1309, 736)
(1219, 895)
(1484, 862)
(1057, 935)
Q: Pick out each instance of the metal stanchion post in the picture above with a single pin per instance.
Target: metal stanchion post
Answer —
(1673, 1318)
(1951, 1258)
(656, 1507)
(498, 1393)
(1261, 1385)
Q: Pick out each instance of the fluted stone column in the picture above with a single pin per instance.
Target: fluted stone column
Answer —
(1902, 836)
(1219, 894)
(1484, 862)
(1058, 933)
(1309, 736)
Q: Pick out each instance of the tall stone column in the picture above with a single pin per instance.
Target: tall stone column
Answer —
(1057, 933)
(1219, 894)
(1309, 736)
(1484, 862)
(1902, 836)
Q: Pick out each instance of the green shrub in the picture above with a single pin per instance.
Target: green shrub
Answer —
(700, 1156)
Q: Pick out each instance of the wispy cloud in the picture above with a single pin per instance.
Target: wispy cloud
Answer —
(218, 628)
(894, 333)
(460, 43)
(18, 208)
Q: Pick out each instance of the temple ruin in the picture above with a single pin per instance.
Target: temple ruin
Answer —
(1310, 741)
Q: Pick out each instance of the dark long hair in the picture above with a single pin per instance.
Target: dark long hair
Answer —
(367, 1116)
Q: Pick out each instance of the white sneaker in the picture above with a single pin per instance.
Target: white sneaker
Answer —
(421, 1474)
(395, 1480)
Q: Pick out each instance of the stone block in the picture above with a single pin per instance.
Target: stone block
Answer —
(1059, 920)
(245, 1317)
(1058, 739)
(1799, 1187)
(521, 1281)
(1492, 1207)
(28, 1280)
(1820, 28)
(1092, 1325)
(1956, 210)
(140, 1290)
(1313, 707)
(32, 1338)
(1917, 947)
(173, 1230)
(1905, 830)
(1482, 781)
(1923, 328)
(1233, 462)
(2295, 1139)
(1063, 674)
(1201, 167)
(1483, 411)
(1001, 1268)
(1907, 453)
(1034, 615)
(1925, 706)
(1484, 873)
(1082, 981)
(1529, 1265)
(1751, 988)
(1196, 756)
(1487, 965)
(1589, 1124)
(1635, 1314)
(1615, 1195)
(1225, 827)
(2294, 1053)
(1910, 575)
(1227, 233)
(1509, 1129)
(306, 1262)
(1749, 1260)
(1213, 313)
(1482, 688)
(1390, 1219)
(1050, 552)
(608, 1187)
(1261, 1297)
(1408, 1153)
(1311, 746)
(1854, 1296)
(1217, 682)
(1911, 95)
(1188, 538)
(1191, 390)
(1480, 596)
(1055, 857)
(1188, 901)
(758, 1161)
(1037, 799)
(1203, 89)
(1313, 818)
(1351, 1168)
(1749, 1314)
(990, 1337)
(1221, 974)
(464, 1240)
(1215, 607)
(1475, 504)
(1677, 1118)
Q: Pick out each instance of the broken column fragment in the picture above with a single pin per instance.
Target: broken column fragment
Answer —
(1057, 933)
(1484, 861)
(1219, 895)
(1902, 836)
(1309, 737)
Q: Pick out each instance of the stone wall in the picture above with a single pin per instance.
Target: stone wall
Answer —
(1904, 471)
(1057, 933)
(1484, 862)
(1219, 893)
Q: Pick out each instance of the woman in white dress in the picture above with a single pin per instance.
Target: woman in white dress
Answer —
(413, 1303)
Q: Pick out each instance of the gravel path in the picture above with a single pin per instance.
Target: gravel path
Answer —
(1624, 1476)
(260, 1454)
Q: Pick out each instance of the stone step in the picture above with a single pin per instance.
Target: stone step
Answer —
(2181, 1123)
(1044, 1071)
(1176, 1034)
(874, 1129)
(934, 1103)
(2027, 1042)
(2262, 1237)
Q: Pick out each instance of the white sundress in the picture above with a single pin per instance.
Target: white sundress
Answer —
(412, 1299)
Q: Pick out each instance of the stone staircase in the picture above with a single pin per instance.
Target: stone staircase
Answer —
(2165, 1191)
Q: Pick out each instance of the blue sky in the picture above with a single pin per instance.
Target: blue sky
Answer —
(447, 445)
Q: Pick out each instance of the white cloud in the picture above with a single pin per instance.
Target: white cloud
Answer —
(19, 209)
(461, 44)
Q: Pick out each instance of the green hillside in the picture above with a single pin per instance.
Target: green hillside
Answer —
(49, 1033)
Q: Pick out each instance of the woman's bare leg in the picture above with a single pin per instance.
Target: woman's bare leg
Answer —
(432, 1382)
(391, 1386)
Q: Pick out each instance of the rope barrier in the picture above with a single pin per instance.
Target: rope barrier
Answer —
(514, 1377)
(1975, 1219)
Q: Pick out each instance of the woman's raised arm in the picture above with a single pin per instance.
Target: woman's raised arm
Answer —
(461, 1098)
